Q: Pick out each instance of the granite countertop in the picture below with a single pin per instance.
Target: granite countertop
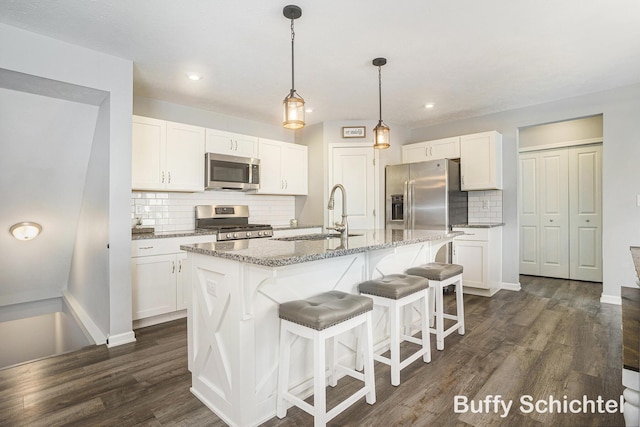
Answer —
(169, 234)
(189, 233)
(479, 225)
(277, 253)
(297, 227)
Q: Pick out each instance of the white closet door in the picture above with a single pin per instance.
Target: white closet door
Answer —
(353, 168)
(586, 213)
(529, 214)
(554, 214)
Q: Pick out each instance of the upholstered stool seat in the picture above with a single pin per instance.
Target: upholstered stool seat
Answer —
(321, 318)
(441, 275)
(394, 292)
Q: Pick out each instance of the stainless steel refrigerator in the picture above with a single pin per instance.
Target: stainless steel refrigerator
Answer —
(425, 195)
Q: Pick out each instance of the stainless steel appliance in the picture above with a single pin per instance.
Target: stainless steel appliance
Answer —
(224, 172)
(231, 222)
(425, 195)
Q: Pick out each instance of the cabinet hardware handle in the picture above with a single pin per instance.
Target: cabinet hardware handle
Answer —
(431, 151)
(147, 247)
(286, 184)
(236, 145)
(173, 267)
(163, 177)
(169, 173)
(179, 266)
(426, 151)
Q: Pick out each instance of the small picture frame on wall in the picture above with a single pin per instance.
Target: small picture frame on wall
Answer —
(354, 132)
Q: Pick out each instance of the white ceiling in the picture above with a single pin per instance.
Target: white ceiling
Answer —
(469, 57)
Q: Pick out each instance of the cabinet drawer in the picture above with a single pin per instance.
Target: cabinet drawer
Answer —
(170, 245)
(473, 233)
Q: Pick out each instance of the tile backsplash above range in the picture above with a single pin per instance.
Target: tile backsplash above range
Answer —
(176, 211)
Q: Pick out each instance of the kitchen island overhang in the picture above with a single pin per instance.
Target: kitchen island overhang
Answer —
(236, 288)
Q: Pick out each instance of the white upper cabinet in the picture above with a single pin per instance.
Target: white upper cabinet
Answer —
(167, 156)
(233, 144)
(481, 161)
(283, 168)
(446, 148)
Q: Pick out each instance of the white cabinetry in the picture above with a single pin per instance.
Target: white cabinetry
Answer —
(481, 161)
(479, 252)
(160, 278)
(283, 168)
(233, 144)
(167, 156)
(446, 148)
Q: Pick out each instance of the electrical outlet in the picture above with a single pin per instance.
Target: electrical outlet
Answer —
(485, 204)
(211, 288)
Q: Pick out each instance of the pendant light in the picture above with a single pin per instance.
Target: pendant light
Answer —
(293, 104)
(381, 131)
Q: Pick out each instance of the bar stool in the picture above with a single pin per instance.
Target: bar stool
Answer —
(441, 275)
(321, 318)
(394, 292)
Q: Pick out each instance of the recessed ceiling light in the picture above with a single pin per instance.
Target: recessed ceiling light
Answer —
(194, 76)
(430, 105)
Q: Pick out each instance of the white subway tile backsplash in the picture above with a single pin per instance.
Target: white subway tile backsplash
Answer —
(176, 211)
(485, 206)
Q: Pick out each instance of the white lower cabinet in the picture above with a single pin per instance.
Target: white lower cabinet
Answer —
(479, 252)
(160, 279)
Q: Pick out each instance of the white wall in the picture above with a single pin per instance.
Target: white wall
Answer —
(586, 128)
(621, 175)
(45, 60)
(163, 110)
(45, 144)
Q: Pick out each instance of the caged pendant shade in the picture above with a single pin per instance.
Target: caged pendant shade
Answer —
(381, 138)
(293, 104)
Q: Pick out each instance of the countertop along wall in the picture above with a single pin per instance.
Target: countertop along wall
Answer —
(621, 176)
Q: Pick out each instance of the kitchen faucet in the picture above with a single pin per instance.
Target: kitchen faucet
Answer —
(340, 227)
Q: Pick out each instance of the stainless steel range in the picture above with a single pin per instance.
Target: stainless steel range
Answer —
(231, 222)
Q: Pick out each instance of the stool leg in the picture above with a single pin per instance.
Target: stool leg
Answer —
(369, 377)
(460, 306)
(283, 372)
(332, 350)
(439, 317)
(432, 306)
(394, 347)
(319, 382)
(426, 335)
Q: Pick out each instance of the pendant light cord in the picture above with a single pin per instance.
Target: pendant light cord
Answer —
(293, 37)
(380, 90)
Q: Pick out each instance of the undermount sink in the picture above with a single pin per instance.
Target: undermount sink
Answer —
(318, 236)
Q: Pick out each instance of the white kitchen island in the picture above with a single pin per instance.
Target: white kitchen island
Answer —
(233, 317)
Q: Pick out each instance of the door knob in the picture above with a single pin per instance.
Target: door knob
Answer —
(588, 220)
(550, 220)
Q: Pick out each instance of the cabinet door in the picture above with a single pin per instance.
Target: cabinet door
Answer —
(153, 285)
(447, 148)
(481, 161)
(270, 155)
(295, 169)
(185, 157)
(529, 214)
(473, 256)
(148, 154)
(183, 281)
(413, 153)
(232, 144)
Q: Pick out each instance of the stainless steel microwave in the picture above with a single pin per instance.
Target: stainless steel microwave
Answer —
(223, 172)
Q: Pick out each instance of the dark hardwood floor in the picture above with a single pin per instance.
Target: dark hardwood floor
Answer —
(553, 338)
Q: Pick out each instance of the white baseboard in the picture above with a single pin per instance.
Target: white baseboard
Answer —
(610, 299)
(161, 318)
(85, 322)
(120, 339)
(510, 286)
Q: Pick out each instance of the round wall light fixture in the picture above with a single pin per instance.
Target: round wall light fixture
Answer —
(25, 230)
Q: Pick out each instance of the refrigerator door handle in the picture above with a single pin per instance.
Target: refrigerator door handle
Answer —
(405, 205)
(412, 189)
